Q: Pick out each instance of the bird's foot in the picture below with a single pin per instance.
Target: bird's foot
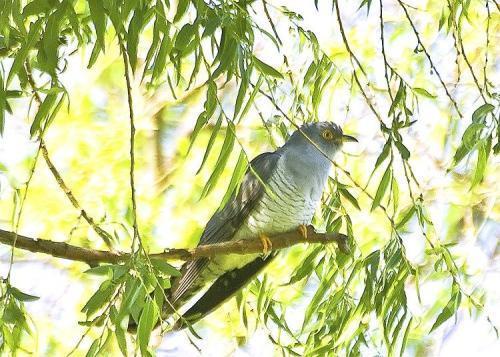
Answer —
(267, 245)
(303, 230)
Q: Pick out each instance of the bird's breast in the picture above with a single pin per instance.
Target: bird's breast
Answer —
(282, 208)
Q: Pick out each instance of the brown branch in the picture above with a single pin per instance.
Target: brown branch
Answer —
(93, 256)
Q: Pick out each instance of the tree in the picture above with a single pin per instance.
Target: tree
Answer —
(126, 99)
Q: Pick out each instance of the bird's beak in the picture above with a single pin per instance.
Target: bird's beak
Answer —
(349, 139)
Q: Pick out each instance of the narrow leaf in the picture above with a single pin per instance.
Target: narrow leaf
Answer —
(382, 187)
(266, 69)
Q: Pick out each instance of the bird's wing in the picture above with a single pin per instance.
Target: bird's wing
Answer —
(222, 289)
(225, 223)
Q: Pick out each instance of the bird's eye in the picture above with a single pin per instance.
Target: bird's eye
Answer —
(327, 134)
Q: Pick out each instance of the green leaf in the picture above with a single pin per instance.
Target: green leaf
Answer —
(241, 95)
(325, 285)
(266, 69)
(43, 113)
(100, 298)
(405, 153)
(225, 152)
(406, 217)
(13, 314)
(211, 142)
(481, 112)
(305, 267)
(134, 29)
(251, 99)
(238, 173)
(184, 37)
(182, 7)
(93, 348)
(22, 54)
(210, 107)
(383, 154)
(98, 16)
(121, 340)
(3, 104)
(344, 192)
(164, 267)
(36, 7)
(482, 159)
(101, 270)
(161, 58)
(382, 187)
(148, 319)
(399, 96)
(423, 92)
(472, 134)
(226, 55)
(19, 295)
(450, 308)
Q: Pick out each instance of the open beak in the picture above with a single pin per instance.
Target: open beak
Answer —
(349, 139)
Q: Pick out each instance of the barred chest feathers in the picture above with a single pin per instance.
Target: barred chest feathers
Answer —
(290, 200)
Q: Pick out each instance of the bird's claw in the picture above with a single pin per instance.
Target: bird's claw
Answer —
(267, 245)
(303, 230)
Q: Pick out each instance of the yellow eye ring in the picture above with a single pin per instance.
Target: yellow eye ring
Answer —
(327, 134)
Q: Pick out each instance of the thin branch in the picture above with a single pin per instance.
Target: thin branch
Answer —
(245, 246)
(496, 4)
(106, 237)
(344, 38)
(382, 42)
(132, 143)
(462, 51)
(420, 43)
(266, 11)
(485, 67)
(353, 57)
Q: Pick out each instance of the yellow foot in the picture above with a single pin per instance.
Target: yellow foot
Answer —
(266, 243)
(303, 230)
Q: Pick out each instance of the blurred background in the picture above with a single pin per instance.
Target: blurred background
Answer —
(88, 142)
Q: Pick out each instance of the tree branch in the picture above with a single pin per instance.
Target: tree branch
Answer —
(106, 237)
(246, 246)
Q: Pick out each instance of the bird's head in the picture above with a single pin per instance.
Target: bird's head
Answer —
(327, 137)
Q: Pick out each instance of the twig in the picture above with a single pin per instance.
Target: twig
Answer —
(136, 235)
(434, 69)
(382, 41)
(246, 246)
(266, 11)
(344, 38)
(353, 57)
(106, 237)
(485, 67)
(462, 51)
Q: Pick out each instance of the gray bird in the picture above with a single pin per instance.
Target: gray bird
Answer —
(279, 193)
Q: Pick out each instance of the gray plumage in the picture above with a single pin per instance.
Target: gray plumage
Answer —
(279, 192)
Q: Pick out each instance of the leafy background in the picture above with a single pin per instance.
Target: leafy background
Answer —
(212, 85)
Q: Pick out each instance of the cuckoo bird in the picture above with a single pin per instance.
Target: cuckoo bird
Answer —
(279, 193)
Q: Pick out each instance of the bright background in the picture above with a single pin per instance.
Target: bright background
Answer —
(89, 145)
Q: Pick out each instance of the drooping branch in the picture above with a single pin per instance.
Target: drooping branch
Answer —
(427, 54)
(241, 247)
(106, 237)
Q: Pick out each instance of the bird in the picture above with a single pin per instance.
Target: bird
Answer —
(279, 193)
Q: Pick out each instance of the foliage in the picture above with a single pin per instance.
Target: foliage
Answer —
(249, 72)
